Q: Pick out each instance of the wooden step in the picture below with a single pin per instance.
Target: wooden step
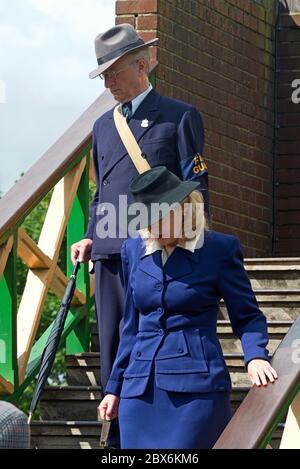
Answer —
(275, 304)
(70, 402)
(276, 329)
(231, 344)
(280, 273)
(85, 435)
(51, 434)
(80, 402)
(272, 263)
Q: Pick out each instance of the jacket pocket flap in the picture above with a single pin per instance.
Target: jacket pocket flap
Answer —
(182, 365)
(174, 345)
(138, 369)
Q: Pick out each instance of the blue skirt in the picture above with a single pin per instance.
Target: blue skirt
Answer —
(173, 420)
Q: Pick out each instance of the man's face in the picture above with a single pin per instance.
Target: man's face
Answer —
(123, 78)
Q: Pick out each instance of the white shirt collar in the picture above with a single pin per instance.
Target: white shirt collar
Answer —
(137, 101)
(152, 245)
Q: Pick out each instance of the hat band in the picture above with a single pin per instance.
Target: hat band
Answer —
(116, 53)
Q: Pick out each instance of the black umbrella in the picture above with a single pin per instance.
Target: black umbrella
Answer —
(52, 344)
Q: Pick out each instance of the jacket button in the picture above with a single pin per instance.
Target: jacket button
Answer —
(159, 310)
(180, 350)
(138, 353)
(158, 286)
(160, 331)
(105, 182)
(144, 155)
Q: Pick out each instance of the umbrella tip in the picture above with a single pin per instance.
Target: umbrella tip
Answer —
(29, 418)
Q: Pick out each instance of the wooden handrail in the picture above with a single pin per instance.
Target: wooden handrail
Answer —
(262, 409)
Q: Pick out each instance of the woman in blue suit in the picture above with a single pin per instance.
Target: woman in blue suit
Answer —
(170, 385)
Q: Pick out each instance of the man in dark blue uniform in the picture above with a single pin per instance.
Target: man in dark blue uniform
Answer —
(169, 132)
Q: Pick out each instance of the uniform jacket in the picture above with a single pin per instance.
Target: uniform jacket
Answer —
(174, 138)
(170, 317)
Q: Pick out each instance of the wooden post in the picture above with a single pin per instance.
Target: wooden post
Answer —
(39, 280)
(8, 316)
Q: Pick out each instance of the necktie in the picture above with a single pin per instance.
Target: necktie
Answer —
(127, 110)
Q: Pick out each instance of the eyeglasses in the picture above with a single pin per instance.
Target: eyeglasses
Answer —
(114, 73)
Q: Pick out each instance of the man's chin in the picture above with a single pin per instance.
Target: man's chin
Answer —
(117, 96)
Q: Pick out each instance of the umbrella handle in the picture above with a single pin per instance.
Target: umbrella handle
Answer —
(76, 268)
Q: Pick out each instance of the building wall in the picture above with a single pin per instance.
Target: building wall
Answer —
(287, 175)
(219, 56)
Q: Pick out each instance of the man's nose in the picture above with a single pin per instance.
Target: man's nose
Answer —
(109, 81)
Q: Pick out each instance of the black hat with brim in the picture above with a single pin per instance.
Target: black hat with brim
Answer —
(157, 190)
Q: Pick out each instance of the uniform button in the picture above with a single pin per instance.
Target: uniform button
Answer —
(160, 331)
(158, 286)
(138, 354)
(180, 350)
(105, 182)
(160, 310)
(144, 155)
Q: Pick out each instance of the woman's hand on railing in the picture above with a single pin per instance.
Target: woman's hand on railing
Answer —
(108, 408)
(81, 250)
(260, 372)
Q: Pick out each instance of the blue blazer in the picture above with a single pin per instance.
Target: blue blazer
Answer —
(170, 317)
(174, 138)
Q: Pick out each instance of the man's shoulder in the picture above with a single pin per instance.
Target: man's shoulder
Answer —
(107, 115)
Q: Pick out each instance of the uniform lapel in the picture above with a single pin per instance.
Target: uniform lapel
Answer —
(147, 110)
(152, 265)
(181, 263)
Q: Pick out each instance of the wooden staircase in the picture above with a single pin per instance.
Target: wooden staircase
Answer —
(69, 414)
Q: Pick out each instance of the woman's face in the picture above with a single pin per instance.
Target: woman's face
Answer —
(169, 229)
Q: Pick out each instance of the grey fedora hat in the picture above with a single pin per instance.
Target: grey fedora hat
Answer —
(114, 44)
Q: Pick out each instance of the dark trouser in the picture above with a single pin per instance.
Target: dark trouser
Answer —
(109, 297)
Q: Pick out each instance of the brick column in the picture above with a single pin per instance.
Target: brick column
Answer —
(143, 15)
(287, 177)
(219, 56)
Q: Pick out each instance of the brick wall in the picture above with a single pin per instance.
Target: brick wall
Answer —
(287, 176)
(219, 56)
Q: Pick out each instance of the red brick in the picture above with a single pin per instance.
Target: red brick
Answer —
(136, 6)
(147, 22)
(126, 19)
